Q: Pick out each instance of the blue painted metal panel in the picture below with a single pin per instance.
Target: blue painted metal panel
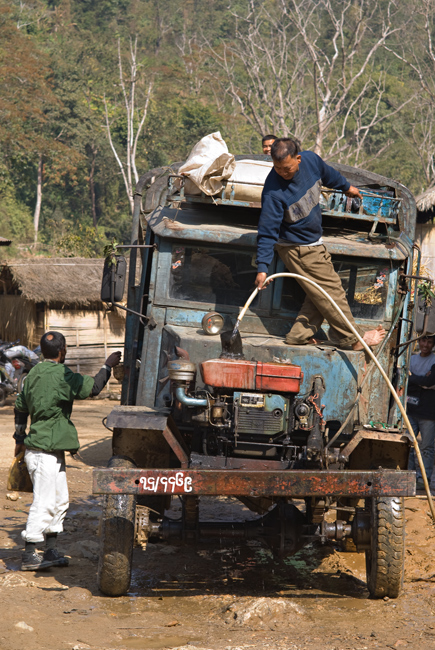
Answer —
(132, 326)
(196, 225)
(149, 368)
(404, 358)
(374, 207)
(150, 361)
(340, 369)
(392, 293)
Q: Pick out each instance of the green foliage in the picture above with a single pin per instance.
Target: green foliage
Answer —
(16, 224)
(425, 291)
(81, 241)
(171, 133)
(110, 252)
(59, 59)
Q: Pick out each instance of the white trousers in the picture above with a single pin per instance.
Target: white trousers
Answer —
(50, 494)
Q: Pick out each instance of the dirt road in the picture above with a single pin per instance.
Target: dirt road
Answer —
(221, 596)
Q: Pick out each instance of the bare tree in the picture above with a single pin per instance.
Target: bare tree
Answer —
(39, 182)
(308, 68)
(37, 211)
(134, 117)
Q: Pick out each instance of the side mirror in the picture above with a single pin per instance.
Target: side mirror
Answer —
(113, 284)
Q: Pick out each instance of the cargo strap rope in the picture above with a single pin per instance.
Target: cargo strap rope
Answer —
(371, 355)
(312, 401)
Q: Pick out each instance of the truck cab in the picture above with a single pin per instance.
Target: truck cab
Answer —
(297, 433)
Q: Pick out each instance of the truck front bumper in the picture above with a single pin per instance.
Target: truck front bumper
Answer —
(281, 483)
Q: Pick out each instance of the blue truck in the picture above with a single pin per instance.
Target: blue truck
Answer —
(307, 437)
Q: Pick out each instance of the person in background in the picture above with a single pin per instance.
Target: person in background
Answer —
(267, 142)
(420, 406)
(291, 222)
(48, 395)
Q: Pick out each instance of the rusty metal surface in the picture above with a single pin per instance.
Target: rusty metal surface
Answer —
(374, 449)
(363, 434)
(177, 444)
(137, 417)
(145, 448)
(230, 463)
(255, 483)
(146, 420)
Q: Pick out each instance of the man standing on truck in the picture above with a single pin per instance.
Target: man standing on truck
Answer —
(48, 395)
(291, 223)
(421, 406)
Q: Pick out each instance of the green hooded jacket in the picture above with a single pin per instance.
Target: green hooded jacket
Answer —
(48, 395)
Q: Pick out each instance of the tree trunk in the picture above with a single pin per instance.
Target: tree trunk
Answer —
(92, 185)
(37, 211)
(128, 166)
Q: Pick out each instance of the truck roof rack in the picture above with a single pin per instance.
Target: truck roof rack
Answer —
(379, 206)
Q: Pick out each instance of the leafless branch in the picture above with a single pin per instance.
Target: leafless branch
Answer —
(285, 75)
(128, 92)
(115, 153)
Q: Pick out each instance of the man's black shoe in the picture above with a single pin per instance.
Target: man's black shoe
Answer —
(55, 558)
(32, 561)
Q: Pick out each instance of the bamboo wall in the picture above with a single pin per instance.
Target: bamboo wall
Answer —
(90, 336)
(425, 237)
(17, 320)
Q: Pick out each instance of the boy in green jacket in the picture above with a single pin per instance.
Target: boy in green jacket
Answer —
(48, 395)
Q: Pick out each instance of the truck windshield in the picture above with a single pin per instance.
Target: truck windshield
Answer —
(211, 275)
(365, 283)
(226, 277)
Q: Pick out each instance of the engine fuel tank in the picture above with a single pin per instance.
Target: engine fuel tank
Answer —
(241, 374)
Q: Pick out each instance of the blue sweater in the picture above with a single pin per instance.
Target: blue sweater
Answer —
(290, 210)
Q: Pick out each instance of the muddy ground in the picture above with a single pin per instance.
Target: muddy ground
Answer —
(217, 596)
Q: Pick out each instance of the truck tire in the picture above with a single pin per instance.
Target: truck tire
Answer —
(386, 557)
(116, 538)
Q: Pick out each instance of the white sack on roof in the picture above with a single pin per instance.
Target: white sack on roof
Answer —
(208, 164)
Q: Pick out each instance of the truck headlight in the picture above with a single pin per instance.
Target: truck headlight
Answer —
(212, 323)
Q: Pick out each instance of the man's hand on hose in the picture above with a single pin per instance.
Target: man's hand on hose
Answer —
(19, 448)
(113, 359)
(259, 281)
(353, 193)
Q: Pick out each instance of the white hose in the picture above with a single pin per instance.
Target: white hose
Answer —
(373, 357)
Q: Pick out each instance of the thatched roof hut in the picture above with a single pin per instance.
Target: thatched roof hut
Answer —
(426, 201)
(73, 281)
(5, 242)
(62, 294)
(426, 205)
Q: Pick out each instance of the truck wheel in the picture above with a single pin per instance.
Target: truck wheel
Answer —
(116, 538)
(386, 557)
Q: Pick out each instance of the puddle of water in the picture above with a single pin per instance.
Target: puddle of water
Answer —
(155, 643)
